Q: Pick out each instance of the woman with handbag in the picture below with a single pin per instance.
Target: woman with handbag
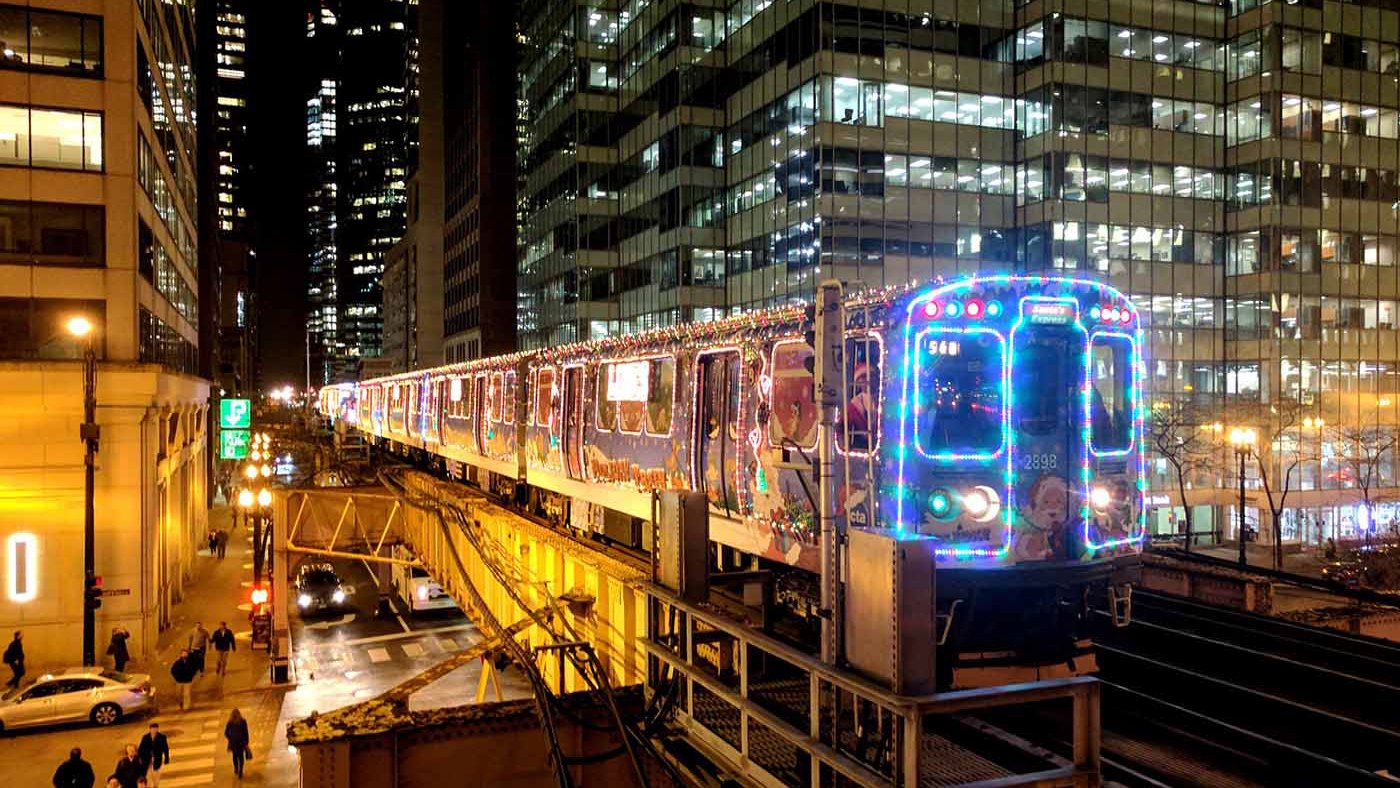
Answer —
(236, 732)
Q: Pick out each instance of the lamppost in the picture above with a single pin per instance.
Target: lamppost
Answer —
(1242, 439)
(82, 328)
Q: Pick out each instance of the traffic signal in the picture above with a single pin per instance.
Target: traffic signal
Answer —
(809, 337)
(93, 595)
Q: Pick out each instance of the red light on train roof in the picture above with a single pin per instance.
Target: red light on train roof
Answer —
(931, 309)
(974, 308)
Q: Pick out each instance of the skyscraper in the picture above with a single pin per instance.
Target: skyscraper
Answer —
(479, 285)
(226, 168)
(1232, 165)
(360, 115)
(98, 220)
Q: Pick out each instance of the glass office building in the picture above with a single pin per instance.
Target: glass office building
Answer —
(1230, 165)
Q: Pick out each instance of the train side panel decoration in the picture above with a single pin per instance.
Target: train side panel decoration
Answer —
(1002, 415)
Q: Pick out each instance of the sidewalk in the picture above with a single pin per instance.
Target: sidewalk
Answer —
(218, 593)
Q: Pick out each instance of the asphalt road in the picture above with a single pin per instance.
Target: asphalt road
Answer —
(359, 618)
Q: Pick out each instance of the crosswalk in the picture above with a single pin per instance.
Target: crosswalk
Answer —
(346, 657)
(196, 742)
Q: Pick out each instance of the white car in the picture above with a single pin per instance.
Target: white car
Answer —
(100, 696)
(418, 591)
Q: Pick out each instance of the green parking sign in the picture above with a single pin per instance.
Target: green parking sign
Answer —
(233, 444)
(235, 414)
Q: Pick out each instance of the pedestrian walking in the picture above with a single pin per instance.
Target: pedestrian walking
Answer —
(74, 772)
(128, 769)
(14, 657)
(223, 644)
(116, 648)
(155, 752)
(199, 643)
(211, 539)
(183, 673)
(236, 732)
(221, 542)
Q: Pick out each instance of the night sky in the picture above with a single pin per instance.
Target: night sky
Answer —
(277, 143)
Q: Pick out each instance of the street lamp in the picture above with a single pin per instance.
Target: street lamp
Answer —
(1242, 439)
(82, 328)
(245, 499)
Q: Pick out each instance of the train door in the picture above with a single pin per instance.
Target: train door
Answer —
(478, 405)
(717, 428)
(1047, 352)
(573, 421)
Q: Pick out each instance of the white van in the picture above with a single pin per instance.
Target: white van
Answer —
(416, 589)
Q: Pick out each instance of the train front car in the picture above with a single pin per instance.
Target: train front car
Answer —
(1017, 442)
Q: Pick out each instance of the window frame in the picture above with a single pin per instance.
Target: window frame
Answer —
(83, 21)
(778, 441)
(1129, 391)
(82, 116)
(1003, 388)
(868, 337)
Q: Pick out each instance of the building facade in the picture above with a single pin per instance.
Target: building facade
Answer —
(97, 219)
(227, 169)
(483, 125)
(361, 113)
(1230, 165)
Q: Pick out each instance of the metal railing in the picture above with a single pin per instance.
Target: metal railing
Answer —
(781, 717)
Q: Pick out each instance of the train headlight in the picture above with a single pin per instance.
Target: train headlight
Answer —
(941, 504)
(981, 503)
(1100, 498)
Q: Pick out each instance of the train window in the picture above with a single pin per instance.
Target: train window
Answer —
(1110, 405)
(1047, 364)
(495, 399)
(958, 410)
(544, 396)
(794, 408)
(508, 394)
(858, 426)
(605, 419)
(661, 392)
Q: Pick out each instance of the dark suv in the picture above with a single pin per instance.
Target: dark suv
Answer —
(320, 588)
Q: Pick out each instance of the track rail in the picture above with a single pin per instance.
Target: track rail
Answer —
(1299, 705)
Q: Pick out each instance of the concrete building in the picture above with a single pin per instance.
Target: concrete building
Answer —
(413, 267)
(483, 125)
(97, 218)
(361, 114)
(226, 71)
(1230, 165)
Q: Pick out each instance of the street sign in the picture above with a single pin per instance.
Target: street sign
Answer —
(116, 592)
(235, 414)
(233, 444)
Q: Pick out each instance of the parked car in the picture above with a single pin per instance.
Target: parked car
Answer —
(102, 697)
(320, 588)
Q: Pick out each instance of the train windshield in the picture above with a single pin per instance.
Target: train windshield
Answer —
(1110, 406)
(960, 393)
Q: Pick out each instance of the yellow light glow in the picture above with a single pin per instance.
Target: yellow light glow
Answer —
(251, 471)
(245, 499)
(264, 497)
(79, 326)
(22, 567)
(1242, 437)
(266, 471)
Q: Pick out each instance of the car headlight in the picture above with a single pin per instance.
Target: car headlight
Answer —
(422, 592)
(338, 596)
(304, 600)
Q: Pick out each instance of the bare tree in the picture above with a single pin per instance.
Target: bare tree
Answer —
(1361, 449)
(1183, 437)
(1279, 455)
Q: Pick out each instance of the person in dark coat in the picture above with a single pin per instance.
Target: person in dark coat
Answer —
(224, 642)
(14, 657)
(183, 672)
(154, 751)
(116, 649)
(129, 768)
(74, 772)
(236, 732)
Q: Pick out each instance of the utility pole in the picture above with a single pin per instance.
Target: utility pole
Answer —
(82, 328)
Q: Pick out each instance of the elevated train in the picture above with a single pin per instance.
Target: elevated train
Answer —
(1000, 415)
